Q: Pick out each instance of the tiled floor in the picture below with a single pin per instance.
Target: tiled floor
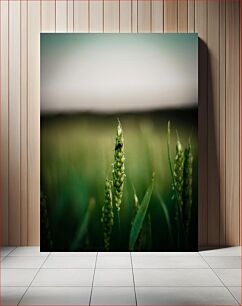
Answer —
(29, 277)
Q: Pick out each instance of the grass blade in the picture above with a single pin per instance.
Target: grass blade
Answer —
(84, 226)
(167, 217)
(140, 216)
(136, 202)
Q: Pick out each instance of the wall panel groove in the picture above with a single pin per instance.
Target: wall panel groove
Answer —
(171, 15)
(222, 122)
(23, 123)
(213, 122)
(125, 16)
(144, 16)
(191, 15)
(61, 16)
(201, 29)
(81, 15)
(157, 16)
(14, 122)
(4, 113)
(217, 24)
(134, 20)
(96, 16)
(111, 16)
(232, 122)
(182, 16)
(34, 23)
(48, 16)
(70, 15)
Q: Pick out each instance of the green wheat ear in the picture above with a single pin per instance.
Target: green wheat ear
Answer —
(187, 186)
(178, 171)
(107, 214)
(118, 167)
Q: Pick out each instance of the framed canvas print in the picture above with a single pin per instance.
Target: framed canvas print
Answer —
(119, 142)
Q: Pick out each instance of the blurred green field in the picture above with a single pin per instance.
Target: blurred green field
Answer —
(77, 152)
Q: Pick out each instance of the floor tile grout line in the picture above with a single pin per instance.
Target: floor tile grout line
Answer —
(28, 256)
(3, 258)
(135, 296)
(144, 255)
(220, 280)
(108, 286)
(14, 248)
(24, 268)
(213, 271)
(211, 256)
(239, 302)
(33, 278)
(90, 268)
(204, 259)
(90, 299)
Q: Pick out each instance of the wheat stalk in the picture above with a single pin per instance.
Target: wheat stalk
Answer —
(178, 171)
(107, 214)
(136, 205)
(187, 185)
(118, 167)
(177, 184)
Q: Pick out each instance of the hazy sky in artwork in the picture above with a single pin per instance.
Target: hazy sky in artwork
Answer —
(118, 72)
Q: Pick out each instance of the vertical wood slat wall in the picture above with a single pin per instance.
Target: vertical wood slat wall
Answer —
(217, 23)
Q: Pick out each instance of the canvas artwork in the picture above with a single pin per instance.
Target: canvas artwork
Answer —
(119, 142)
